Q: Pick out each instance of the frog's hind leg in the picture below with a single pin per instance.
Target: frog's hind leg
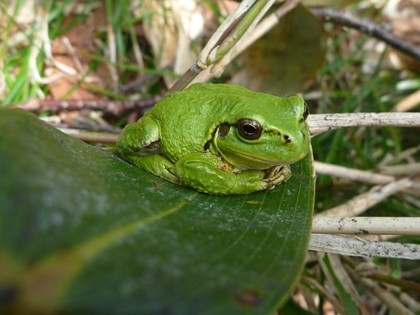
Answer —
(139, 143)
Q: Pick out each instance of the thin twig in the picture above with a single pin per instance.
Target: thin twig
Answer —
(142, 80)
(379, 31)
(115, 107)
(367, 177)
(404, 284)
(386, 297)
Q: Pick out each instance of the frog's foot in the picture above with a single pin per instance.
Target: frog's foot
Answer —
(276, 175)
(208, 173)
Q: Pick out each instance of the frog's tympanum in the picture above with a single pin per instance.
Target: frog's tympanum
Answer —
(219, 139)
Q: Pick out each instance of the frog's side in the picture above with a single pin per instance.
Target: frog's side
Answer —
(219, 138)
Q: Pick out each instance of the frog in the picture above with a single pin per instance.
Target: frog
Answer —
(219, 139)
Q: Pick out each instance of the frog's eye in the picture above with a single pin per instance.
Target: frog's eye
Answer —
(305, 111)
(249, 129)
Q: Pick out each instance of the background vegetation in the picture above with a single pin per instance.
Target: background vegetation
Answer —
(89, 67)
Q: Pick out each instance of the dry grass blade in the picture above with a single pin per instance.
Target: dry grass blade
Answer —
(410, 302)
(366, 200)
(367, 177)
(356, 246)
(400, 170)
(386, 297)
(219, 50)
(346, 282)
(336, 274)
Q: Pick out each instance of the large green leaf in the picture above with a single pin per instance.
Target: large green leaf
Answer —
(82, 232)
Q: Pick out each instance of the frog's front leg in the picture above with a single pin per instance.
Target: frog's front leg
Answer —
(208, 173)
(157, 165)
(139, 143)
(139, 139)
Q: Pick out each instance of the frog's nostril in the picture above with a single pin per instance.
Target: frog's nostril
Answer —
(287, 138)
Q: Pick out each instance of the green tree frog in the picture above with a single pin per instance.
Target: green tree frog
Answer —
(219, 139)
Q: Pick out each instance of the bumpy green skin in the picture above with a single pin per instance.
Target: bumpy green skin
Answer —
(191, 138)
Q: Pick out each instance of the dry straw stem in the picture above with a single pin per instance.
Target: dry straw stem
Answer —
(366, 225)
(404, 155)
(357, 246)
(91, 136)
(320, 123)
(410, 302)
(305, 296)
(338, 305)
(386, 297)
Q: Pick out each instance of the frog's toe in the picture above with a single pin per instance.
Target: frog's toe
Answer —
(273, 172)
(274, 181)
(276, 175)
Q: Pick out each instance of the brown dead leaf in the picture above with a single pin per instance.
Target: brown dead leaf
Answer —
(61, 86)
(80, 40)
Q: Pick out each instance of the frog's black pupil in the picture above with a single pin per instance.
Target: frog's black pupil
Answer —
(249, 129)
